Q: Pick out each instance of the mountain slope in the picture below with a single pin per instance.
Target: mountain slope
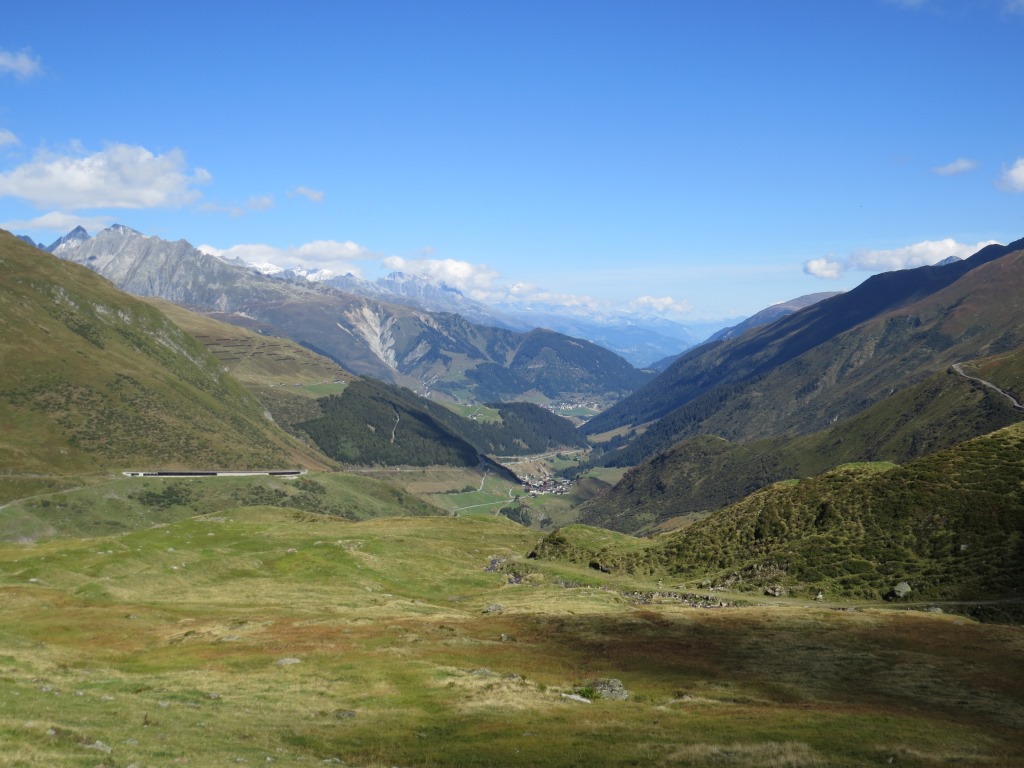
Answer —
(377, 423)
(950, 525)
(831, 360)
(704, 473)
(771, 314)
(286, 377)
(91, 378)
(430, 352)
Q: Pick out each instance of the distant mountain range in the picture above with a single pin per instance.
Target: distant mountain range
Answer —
(637, 338)
(642, 340)
(434, 353)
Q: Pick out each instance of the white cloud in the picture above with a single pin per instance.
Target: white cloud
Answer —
(1012, 179)
(475, 280)
(330, 251)
(314, 195)
(958, 166)
(926, 252)
(327, 254)
(827, 268)
(254, 203)
(120, 176)
(260, 203)
(60, 222)
(663, 305)
(21, 64)
(8, 138)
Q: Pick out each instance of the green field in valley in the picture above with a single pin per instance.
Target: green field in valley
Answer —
(267, 635)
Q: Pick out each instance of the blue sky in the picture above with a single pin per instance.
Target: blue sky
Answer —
(694, 158)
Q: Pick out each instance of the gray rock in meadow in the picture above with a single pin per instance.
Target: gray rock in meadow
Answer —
(609, 688)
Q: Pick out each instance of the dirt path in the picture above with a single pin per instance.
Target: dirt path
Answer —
(956, 367)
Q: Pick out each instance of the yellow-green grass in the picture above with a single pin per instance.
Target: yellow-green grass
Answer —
(111, 504)
(476, 412)
(610, 475)
(176, 645)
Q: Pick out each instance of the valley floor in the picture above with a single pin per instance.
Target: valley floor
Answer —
(274, 637)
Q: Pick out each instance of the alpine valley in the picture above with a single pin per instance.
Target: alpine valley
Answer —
(263, 515)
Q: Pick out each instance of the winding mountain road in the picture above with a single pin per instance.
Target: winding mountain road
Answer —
(1016, 404)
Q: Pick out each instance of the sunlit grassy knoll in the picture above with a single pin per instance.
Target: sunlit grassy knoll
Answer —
(261, 633)
(255, 359)
(475, 412)
(604, 437)
(610, 475)
(111, 504)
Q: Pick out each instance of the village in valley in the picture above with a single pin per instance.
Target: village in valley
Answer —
(535, 485)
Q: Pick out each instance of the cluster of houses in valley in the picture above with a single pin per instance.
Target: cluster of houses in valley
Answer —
(537, 486)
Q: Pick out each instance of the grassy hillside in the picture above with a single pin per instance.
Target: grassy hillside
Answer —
(126, 504)
(286, 377)
(92, 379)
(705, 473)
(950, 524)
(262, 636)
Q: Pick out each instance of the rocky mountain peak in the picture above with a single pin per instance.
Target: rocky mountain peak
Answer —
(75, 235)
(121, 229)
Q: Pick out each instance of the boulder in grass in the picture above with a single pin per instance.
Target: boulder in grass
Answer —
(609, 688)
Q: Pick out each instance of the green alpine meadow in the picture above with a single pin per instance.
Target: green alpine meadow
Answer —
(220, 547)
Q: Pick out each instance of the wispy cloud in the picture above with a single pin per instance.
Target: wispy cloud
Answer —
(120, 176)
(958, 166)
(235, 210)
(1012, 179)
(8, 139)
(57, 221)
(327, 254)
(260, 203)
(22, 65)
(917, 255)
(661, 306)
(313, 195)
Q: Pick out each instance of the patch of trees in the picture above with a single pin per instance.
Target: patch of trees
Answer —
(377, 423)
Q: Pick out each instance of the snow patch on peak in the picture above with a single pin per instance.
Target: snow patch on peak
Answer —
(266, 268)
(76, 235)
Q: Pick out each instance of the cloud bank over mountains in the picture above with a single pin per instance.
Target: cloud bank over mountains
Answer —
(921, 254)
